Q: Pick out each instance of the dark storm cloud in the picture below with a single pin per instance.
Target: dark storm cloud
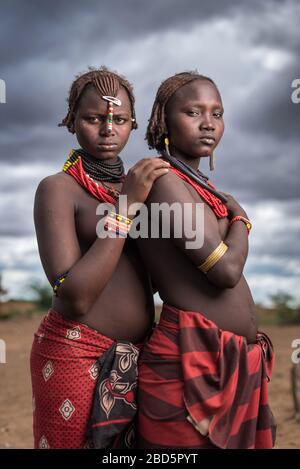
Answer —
(259, 158)
(50, 29)
(273, 35)
(267, 172)
(35, 96)
(35, 34)
(46, 145)
(269, 109)
(38, 34)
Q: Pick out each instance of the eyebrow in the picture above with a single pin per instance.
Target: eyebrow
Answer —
(96, 113)
(214, 104)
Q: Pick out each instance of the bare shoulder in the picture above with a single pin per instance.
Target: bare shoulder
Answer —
(56, 193)
(169, 185)
(55, 185)
(171, 188)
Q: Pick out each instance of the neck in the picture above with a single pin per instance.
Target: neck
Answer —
(106, 161)
(190, 161)
(101, 170)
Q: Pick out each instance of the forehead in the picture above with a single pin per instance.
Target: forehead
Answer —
(91, 99)
(197, 91)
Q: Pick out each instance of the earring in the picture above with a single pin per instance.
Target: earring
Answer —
(212, 162)
(167, 143)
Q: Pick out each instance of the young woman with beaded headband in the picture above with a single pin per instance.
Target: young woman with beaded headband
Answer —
(203, 373)
(84, 354)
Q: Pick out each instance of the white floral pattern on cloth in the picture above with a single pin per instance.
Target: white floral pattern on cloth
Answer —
(112, 389)
(43, 444)
(71, 361)
(67, 409)
(114, 406)
(48, 370)
(40, 338)
(94, 371)
(128, 355)
(74, 334)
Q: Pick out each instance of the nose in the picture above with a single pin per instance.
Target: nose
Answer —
(207, 122)
(106, 130)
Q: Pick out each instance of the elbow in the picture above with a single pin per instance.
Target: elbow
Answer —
(79, 308)
(228, 277)
(77, 296)
(232, 276)
(77, 305)
(231, 281)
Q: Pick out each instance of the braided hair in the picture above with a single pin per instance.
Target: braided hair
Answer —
(105, 82)
(157, 127)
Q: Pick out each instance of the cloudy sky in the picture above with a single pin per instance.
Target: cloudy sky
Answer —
(250, 48)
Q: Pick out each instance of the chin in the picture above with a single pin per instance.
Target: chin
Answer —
(206, 152)
(106, 155)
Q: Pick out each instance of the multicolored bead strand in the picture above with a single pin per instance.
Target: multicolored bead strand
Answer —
(58, 282)
(110, 116)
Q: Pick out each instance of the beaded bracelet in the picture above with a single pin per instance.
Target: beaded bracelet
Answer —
(58, 282)
(244, 220)
(120, 233)
(121, 218)
(119, 224)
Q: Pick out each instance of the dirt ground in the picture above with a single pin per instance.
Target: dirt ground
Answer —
(15, 390)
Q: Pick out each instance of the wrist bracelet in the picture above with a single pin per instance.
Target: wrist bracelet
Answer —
(244, 220)
(120, 218)
(118, 224)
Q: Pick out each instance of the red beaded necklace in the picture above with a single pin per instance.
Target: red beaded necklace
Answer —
(218, 207)
(74, 167)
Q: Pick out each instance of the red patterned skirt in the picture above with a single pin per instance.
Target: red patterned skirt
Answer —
(82, 383)
(202, 387)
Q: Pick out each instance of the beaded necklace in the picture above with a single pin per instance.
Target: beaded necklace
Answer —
(100, 170)
(218, 207)
(74, 167)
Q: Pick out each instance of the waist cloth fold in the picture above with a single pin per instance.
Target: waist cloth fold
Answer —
(83, 386)
(203, 387)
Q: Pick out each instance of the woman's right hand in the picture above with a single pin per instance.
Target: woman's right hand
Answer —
(140, 178)
(233, 207)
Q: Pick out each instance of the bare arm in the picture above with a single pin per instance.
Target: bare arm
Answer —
(228, 270)
(54, 215)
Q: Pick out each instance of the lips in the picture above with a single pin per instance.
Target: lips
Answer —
(207, 139)
(107, 145)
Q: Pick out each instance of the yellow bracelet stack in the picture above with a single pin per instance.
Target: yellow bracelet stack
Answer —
(213, 258)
